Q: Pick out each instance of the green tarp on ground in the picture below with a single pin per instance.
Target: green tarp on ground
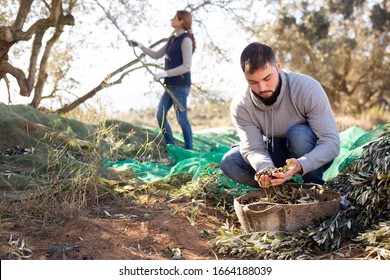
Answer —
(210, 146)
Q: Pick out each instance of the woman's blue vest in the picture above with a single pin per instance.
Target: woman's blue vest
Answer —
(174, 58)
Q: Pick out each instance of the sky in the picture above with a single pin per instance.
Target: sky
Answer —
(138, 90)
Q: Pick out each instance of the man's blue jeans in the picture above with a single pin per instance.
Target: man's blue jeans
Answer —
(300, 141)
(166, 102)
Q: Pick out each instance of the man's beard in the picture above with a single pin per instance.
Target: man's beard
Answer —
(272, 99)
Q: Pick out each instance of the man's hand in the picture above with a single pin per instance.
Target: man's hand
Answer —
(272, 176)
(264, 176)
(292, 167)
(264, 181)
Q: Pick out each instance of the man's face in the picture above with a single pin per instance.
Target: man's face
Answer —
(264, 82)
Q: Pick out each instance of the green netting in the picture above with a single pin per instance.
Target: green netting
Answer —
(347, 141)
(207, 140)
(352, 143)
(210, 146)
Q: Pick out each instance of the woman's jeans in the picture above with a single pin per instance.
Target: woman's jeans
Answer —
(166, 102)
(300, 141)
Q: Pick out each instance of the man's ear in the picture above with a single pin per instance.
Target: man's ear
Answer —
(278, 66)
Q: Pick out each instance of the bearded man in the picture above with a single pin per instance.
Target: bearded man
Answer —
(282, 119)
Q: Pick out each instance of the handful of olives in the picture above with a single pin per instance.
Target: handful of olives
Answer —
(270, 171)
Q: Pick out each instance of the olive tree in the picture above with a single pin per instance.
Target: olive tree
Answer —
(342, 43)
(39, 23)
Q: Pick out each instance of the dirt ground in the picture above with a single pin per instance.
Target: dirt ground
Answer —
(144, 233)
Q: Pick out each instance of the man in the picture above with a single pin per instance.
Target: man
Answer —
(283, 119)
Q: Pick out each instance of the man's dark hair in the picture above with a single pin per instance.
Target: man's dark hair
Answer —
(256, 56)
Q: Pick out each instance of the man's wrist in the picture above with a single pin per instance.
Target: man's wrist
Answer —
(300, 169)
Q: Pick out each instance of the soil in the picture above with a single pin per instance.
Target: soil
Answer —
(143, 233)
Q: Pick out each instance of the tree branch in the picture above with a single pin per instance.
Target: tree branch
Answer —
(6, 67)
(105, 83)
(42, 75)
(82, 99)
(24, 9)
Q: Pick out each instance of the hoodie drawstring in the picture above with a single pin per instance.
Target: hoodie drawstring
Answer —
(272, 129)
(267, 140)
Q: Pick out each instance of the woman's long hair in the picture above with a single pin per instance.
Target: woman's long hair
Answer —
(186, 17)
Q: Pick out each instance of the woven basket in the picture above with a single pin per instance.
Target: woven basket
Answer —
(264, 216)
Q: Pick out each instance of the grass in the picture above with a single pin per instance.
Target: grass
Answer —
(71, 182)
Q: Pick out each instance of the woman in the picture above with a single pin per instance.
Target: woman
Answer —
(177, 76)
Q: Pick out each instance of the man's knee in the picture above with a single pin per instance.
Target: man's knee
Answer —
(226, 163)
(300, 140)
(299, 131)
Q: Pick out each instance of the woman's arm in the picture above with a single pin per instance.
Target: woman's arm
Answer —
(154, 54)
